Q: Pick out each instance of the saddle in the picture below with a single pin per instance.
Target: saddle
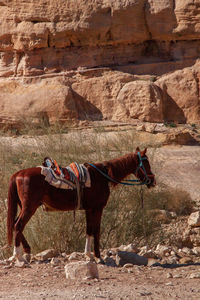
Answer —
(74, 176)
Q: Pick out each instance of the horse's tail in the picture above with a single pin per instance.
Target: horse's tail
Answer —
(13, 199)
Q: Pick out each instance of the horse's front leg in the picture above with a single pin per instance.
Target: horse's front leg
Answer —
(93, 223)
(88, 244)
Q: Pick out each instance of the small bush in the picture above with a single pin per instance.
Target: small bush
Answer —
(170, 124)
(173, 200)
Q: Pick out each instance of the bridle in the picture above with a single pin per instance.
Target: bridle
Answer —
(142, 169)
(129, 181)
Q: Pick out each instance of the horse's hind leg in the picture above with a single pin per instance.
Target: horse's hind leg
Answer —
(20, 240)
(26, 248)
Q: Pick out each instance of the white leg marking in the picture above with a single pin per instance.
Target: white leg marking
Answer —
(88, 245)
(18, 252)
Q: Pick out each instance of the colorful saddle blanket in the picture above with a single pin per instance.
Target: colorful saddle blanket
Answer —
(65, 178)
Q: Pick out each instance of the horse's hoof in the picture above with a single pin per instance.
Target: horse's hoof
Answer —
(22, 264)
(27, 257)
(100, 261)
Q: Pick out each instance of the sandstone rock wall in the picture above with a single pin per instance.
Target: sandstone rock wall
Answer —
(38, 36)
(56, 43)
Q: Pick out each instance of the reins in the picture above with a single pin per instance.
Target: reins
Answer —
(127, 181)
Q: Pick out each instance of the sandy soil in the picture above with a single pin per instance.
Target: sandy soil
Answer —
(44, 281)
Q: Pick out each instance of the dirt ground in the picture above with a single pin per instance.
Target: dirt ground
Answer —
(44, 281)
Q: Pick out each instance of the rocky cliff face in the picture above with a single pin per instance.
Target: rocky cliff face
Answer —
(87, 59)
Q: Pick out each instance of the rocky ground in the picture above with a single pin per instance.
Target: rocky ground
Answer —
(162, 272)
(47, 280)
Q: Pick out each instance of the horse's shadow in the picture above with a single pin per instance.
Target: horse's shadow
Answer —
(124, 257)
(174, 266)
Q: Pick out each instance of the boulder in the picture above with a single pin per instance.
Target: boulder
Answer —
(81, 270)
(100, 89)
(178, 137)
(180, 95)
(47, 101)
(124, 257)
(139, 100)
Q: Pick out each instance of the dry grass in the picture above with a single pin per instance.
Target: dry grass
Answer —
(124, 220)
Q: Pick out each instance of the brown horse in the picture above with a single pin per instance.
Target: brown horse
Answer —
(29, 190)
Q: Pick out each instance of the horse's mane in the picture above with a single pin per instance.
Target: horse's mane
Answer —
(121, 167)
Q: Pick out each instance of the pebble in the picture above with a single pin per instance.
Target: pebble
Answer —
(128, 266)
(178, 276)
(145, 293)
(169, 275)
(4, 262)
(194, 275)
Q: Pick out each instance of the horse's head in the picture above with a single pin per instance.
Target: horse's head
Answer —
(143, 169)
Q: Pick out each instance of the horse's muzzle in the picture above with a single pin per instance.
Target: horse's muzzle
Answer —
(152, 181)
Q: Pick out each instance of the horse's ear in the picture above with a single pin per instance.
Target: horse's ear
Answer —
(137, 149)
(144, 151)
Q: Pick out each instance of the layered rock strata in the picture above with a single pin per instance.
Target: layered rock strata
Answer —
(40, 40)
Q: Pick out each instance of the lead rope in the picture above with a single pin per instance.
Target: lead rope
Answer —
(142, 207)
(78, 189)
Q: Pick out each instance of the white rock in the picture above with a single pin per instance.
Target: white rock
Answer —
(131, 248)
(81, 270)
(178, 276)
(194, 219)
(150, 127)
(143, 250)
(4, 262)
(20, 264)
(128, 266)
(162, 249)
(55, 261)
(194, 275)
(186, 250)
(76, 256)
(46, 254)
(196, 251)
(169, 275)
(148, 254)
(140, 127)
(172, 214)
(122, 247)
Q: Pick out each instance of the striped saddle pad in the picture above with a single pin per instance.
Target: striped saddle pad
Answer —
(65, 178)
